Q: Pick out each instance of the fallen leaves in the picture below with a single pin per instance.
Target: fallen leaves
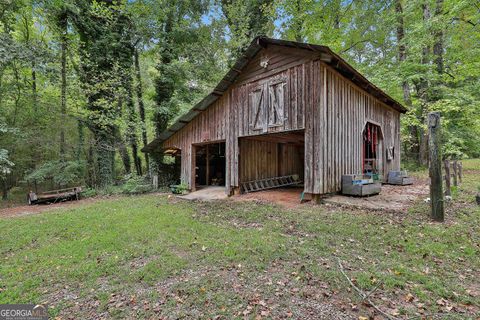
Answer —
(409, 297)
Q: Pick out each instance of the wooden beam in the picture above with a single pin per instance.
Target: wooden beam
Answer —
(207, 171)
(435, 150)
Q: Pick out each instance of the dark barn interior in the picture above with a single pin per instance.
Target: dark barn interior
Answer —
(210, 164)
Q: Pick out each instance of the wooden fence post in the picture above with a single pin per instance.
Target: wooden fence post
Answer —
(455, 173)
(460, 165)
(447, 178)
(435, 168)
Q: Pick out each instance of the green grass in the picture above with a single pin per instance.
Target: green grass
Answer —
(199, 260)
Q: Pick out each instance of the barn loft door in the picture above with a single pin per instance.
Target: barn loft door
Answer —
(267, 105)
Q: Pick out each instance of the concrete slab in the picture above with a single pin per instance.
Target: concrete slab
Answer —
(206, 193)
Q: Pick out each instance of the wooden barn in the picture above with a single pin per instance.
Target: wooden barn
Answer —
(286, 108)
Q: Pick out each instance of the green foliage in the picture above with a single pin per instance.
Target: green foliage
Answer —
(181, 188)
(136, 185)
(5, 164)
(63, 173)
(88, 193)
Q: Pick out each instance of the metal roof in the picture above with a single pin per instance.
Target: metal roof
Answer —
(327, 55)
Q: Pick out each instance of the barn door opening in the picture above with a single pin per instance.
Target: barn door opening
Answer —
(273, 160)
(210, 164)
(372, 149)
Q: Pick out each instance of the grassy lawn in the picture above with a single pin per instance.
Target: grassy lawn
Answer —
(155, 256)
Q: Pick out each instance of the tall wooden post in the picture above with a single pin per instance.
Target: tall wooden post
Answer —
(455, 173)
(436, 192)
(447, 178)
(207, 171)
(460, 172)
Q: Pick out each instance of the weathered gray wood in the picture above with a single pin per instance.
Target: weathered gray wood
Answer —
(455, 173)
(328, 110)
(460, 165)
(447, 178)
(435, 167)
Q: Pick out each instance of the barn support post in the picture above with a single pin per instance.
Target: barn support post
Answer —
(316, 198)
(193, 168)
(435, 168)
(207, 171)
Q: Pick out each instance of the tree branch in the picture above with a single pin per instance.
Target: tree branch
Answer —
(363, 294)
(354, 45)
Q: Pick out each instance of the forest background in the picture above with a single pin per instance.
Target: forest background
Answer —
(85, 84)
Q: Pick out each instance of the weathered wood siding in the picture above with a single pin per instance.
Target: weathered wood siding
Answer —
(263, 159)
(333, 133)
(296, 91)
(208, 126)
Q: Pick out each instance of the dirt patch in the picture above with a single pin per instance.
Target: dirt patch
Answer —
(391, 198)
(286, 197)
(38, 208)
(206, 194)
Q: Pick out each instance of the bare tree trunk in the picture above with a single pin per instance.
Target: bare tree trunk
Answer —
(413, 146)
(438, 35)
(424, 94)
(141, 105)
(63, 95)
(34, 87)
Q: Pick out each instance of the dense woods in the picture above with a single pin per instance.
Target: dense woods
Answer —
(85, 84)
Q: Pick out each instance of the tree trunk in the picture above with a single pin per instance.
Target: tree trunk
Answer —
(81, 140)
(34, 87)
(164, 91)
(423, 93)
(122, 150)
(413, 145)
(63, 95)
(105, 156)
(438, 36)
(141, 105)
(91, 171)
(4, 188)
(131, 135)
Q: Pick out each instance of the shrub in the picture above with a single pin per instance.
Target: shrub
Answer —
(88, 193)
(136, 185)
